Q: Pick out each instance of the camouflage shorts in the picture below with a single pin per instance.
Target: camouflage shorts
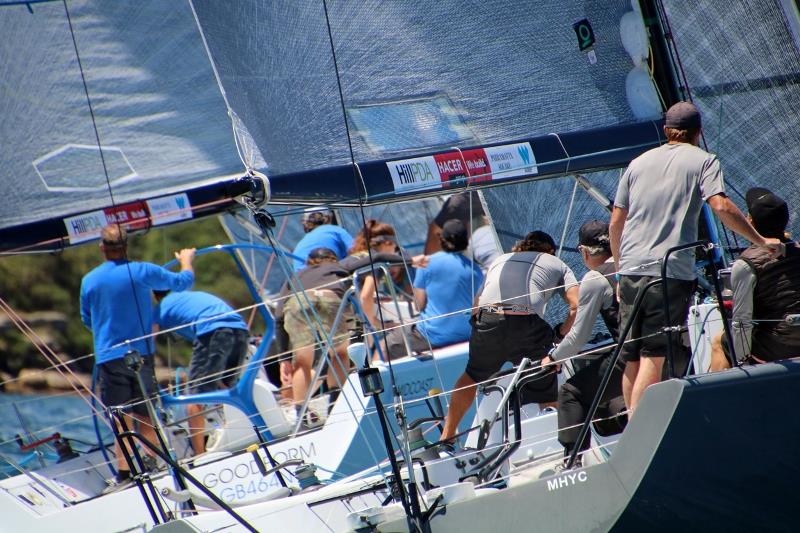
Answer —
(326, 304)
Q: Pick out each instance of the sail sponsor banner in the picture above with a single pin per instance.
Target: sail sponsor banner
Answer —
(133, 215)
(472, 166)
(463, 165)
(170, 209)
(511, 160)
(417, 174)
(87, 226)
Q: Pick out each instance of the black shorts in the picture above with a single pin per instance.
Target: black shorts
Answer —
(497, 339)
(650, 319)
(120, 387)
(214, 353)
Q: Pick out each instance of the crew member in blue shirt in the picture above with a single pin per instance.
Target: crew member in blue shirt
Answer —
(444, 293)
(115, 305)
(321, 232)
(220, 339)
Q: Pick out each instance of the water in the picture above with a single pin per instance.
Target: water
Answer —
(43, 415)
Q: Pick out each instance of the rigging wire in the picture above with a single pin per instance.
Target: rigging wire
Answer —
(566, 219)
(79, 61)
(672, 47)
(231, 114)
(410, 402)
(410, 502)
(357, 178)
(422, 399)
(45, 350)
(249, 307)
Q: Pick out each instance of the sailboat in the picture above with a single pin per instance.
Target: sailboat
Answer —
(349, 105)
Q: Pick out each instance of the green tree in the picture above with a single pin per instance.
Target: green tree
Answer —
(31, 284)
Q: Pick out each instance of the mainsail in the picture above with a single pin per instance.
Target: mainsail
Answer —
(402, 90)
(399, 89)
(741, 62)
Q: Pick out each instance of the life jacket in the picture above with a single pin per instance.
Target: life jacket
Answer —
(611, 313)
(776, 294)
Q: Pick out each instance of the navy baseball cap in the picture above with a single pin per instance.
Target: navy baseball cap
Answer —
(769, 212)
(683, 116)
(594, 233)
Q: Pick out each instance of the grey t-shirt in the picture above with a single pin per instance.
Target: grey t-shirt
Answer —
(483, 247)
(525, 278)
(595, 294)
(663, 191)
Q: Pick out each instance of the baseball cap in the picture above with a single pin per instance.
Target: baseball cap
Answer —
(683, 116)
(454, 231)
(594, 233)
(769, 212)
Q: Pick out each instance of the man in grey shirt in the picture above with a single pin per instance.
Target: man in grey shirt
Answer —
(508, 324)
(596, 296)
(656, 208)
(765, 290)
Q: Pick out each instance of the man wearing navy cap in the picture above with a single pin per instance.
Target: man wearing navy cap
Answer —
(657, 207)
(595, 298)
(765, 290)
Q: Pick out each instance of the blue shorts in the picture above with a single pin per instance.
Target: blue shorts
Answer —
(214, 353)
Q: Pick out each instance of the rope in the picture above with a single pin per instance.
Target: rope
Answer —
(46, 351)
(278, 299)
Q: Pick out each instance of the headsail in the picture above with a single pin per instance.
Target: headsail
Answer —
(160, 118)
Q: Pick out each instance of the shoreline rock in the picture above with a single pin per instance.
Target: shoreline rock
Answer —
(33, 380)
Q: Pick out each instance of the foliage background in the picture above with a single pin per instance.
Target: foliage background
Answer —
(31, 284)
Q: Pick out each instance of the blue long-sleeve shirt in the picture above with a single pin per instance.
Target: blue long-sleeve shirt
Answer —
(326, 236)
(116, 304)
(199, 313)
